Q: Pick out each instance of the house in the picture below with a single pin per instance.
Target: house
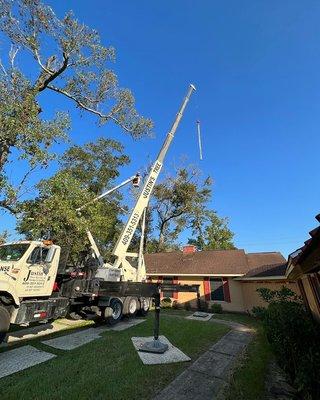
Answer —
(304, 266)
(227, 277)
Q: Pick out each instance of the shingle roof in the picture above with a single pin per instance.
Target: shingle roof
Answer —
(267, 271)
(200, 262)
(209, 262)
(298, 255)
(256, 260)
(300, 261)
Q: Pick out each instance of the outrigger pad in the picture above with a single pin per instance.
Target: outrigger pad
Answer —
(155, 346)
(200, 316)
(171, 355)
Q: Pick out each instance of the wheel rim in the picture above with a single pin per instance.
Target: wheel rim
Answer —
(132, 306)
(116, 311)
(145, 305)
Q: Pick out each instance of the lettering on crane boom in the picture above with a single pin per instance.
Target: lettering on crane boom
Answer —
(152, 179)
(4, 268)
(145, 195)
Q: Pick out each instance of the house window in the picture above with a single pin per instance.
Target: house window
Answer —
(167, 293)
(217, 292)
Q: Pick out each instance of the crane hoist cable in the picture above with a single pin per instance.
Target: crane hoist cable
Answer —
(199, 139)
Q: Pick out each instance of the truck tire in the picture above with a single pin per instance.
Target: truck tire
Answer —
(130, 306)
(144, 307)
(116, 314)
(4, 323)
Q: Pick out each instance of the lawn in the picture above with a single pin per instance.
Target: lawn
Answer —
(248, 380)
(110, 367)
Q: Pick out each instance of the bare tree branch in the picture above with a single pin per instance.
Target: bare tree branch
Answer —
(12, 54)
(48, 71)
(82, 105)
(53, 75)
(25, 177)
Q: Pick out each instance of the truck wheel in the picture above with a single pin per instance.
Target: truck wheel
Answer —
(130, 306)
(144, 307)
(116, 314)
(4, 323)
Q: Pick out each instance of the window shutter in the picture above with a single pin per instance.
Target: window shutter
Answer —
(207, 289)
(226, 290)
(160, 280)
(175, 282)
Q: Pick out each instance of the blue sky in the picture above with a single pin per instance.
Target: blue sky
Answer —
(256, 67)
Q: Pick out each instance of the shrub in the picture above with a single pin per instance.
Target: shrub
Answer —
(175, 304)
(187, 306)
(166, 302)
(216, 308)
(204, 306)
(258, 312)
(295, 340)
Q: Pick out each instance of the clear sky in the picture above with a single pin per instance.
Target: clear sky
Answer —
(256, 67)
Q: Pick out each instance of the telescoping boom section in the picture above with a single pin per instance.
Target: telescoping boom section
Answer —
(121, 248)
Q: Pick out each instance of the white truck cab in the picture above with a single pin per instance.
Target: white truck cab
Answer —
(28, 269)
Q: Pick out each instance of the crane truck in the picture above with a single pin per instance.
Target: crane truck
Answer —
(37, 283)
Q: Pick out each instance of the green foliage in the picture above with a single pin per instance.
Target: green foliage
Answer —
(212, 232)
(3, 237)
(166, 302)
(258, 312)
(204, 306)
(84, 172)
(294, 338)
(175, 304)
(175, 201)
(283, 294)
(95, 165)
(70, 61)
(216, 308)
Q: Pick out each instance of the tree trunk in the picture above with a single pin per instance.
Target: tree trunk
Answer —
(161, 237)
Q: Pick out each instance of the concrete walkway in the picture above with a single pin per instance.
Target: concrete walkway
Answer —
(206, 378)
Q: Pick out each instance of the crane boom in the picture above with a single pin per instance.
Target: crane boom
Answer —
(125, 238)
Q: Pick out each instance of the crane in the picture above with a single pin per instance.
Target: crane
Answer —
(128, 272)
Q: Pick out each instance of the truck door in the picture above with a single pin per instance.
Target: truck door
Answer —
(40, 273)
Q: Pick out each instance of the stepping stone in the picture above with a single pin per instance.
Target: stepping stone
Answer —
(200, 316)
(192, 385)
(74, 340)
(172, 355)
(243, 337)
(22, 358)
(227, 346)
(213, 365)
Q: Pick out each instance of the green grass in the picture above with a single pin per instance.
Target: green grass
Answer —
(110, 367)
(248, 380)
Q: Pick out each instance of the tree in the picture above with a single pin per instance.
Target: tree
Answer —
(84, 172)
(212, 232)
(69, 60)
(3, 237)
(176, 200)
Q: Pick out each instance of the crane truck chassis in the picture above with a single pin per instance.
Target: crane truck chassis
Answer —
(38, 284)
